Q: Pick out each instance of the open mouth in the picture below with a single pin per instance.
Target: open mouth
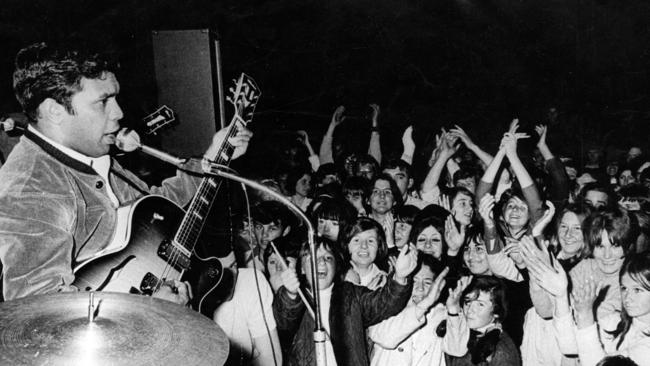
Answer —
(321, 274)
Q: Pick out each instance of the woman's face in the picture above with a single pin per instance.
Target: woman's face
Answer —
(325, 268)
(569, 234)
(636, 298)
(328, 228)
(363, 247)
(515, 214)
(609, 258)
(478, 309)
(303, 185)
(422, 282)
(402, 232)
(430, 242)
(462, 209)
(475, 257)
(626, 178)
(274, 264)
(381, 197)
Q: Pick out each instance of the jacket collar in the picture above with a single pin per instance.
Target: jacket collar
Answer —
(58, 154)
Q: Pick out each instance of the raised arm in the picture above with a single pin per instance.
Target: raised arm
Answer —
(408, 145)
(485, 158)
(314, 160)
(559, 189)
(447, 149)
(374, 148)
(325, 152)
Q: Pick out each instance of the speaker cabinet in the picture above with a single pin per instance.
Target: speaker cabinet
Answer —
(186, 75)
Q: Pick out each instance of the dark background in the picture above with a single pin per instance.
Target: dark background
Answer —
(478, 63)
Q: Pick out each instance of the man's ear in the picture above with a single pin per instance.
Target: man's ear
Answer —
(51, 110)
(411, 181)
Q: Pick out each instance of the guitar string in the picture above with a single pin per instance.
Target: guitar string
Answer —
(182, 235)
(170, 264)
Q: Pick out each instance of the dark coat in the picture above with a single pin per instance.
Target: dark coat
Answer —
(353, 309)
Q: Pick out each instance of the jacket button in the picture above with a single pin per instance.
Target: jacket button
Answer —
(400, 349)
(99, 184)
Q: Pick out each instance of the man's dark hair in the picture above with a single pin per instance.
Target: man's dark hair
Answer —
(44, 71)
(398, 164)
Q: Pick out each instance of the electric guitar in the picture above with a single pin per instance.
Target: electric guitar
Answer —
(155, 239)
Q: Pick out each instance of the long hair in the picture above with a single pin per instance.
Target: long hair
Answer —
(638, 268)
(582, 212)
(620, 227)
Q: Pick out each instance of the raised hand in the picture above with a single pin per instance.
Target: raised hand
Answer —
(407, 139)
(378, 281)
(541, 131)
(453, 237)
(434, 291)
(453, 300)
(486, 209)
(405, 263)
(375, 114)
(583, 297)
(443, 202)
(303, 137)
(513, 250)
(552, 279)
(290, 281)
(458, 132)
(337, 117)
(541, 224)
(239, 142)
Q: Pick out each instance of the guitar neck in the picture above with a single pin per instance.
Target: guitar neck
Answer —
(190, 228)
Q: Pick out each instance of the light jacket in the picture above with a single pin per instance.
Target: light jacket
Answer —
(55, 211)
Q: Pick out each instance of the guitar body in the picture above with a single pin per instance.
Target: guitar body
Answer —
(142, 254)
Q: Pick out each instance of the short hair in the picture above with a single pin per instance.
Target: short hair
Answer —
(398, 164)
(406, 214)
(366, 160)
(334, 209)
(267, 212)
(598, 187)
(619, 226)
(358, 226)
(397, 195)
(43, 71)
(325, 170)
(495, 288)
(464, 173)
(287, 247)
(356, 184)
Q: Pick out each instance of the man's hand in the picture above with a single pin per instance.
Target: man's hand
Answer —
(175, 291)
(239, 142)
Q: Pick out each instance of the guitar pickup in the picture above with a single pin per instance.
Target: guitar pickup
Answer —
(174, 256)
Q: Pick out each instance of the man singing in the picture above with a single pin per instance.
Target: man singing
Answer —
(59, 188)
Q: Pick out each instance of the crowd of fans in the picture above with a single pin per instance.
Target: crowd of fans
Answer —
(520, 259)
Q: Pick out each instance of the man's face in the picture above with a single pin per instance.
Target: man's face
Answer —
(381, 198)
(267, 232)
(596, 199)
(401, 178)
(92, 127)
(366, 171)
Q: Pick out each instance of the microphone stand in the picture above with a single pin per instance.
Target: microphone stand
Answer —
(319, 332)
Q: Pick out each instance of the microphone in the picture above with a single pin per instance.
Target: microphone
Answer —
(129, 141)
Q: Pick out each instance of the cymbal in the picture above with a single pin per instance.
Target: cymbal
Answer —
(127, 330)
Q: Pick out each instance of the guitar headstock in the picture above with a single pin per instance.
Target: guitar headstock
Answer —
(245, 95)
(158, 119)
